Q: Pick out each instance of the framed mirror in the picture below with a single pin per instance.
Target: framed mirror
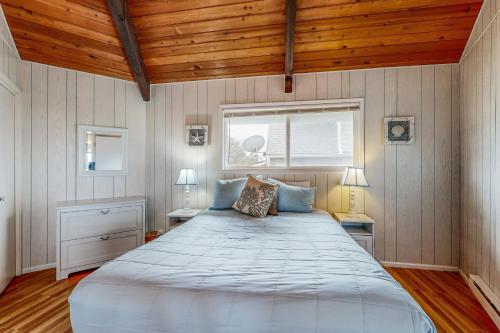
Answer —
(102, 151)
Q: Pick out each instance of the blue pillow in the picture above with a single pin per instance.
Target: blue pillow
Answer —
(227, 192)
(294, 198)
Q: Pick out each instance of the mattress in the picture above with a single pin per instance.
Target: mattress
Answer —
(226, 272)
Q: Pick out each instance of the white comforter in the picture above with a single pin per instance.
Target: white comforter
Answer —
(227, 272)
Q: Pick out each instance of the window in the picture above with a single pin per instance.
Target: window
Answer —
(299, 135)
(256, 141)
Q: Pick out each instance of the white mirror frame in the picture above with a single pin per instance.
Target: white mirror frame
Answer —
(102, 130)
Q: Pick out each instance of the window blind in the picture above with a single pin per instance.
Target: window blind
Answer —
(248, 111)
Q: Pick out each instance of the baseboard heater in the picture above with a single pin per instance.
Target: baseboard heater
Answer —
(489, 301)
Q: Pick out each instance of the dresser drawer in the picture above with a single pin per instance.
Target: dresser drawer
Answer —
(365, 241)
(88, 223)
(98, 249)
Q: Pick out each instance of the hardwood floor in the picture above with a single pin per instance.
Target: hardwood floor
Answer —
(35, 302)
(446, 298)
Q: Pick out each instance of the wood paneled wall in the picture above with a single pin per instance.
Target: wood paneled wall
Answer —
(55, 100)
(414, 193)
(480, 128)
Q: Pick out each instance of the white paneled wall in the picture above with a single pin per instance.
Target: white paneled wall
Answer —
(480, 128)
(414, 193)
(9, 58)
(55, 100)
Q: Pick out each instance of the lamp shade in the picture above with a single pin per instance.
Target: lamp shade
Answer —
(354, 177)
(187, 177)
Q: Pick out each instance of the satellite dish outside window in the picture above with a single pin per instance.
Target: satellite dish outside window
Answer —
(254, 143)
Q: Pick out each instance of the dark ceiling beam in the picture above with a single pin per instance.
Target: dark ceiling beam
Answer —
(126, 31)
(291, 13)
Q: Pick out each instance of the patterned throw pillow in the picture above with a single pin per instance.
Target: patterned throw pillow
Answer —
(273, 209)
(256, 197)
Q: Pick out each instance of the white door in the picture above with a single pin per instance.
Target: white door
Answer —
(7, 210)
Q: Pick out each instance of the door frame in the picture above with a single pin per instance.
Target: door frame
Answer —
(7, 83)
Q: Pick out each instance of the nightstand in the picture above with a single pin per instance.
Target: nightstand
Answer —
(360, 228)
(180, 215)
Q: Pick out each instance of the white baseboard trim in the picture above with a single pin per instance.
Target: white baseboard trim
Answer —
(463, 275)
(486, 297)
(419, 266)
(383, 263)
(38, 268)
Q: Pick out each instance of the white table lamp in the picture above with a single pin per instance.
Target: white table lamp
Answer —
(187, 178)
(353, 177)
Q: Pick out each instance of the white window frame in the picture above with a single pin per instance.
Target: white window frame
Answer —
(358, 129)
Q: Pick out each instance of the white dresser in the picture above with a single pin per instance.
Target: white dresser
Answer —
(92, 232)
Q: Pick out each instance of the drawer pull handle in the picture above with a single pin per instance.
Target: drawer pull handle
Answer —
(104, 238)
(104, 212)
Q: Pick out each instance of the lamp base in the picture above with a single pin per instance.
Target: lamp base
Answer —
(353, 214)
(187, 200)
(352, 208)
(187, 210)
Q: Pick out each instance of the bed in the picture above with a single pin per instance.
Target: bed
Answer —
(227, 272)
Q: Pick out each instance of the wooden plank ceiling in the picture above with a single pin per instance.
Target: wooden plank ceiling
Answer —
(189, 40)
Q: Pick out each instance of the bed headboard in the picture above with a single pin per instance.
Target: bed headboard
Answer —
(330, 195)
